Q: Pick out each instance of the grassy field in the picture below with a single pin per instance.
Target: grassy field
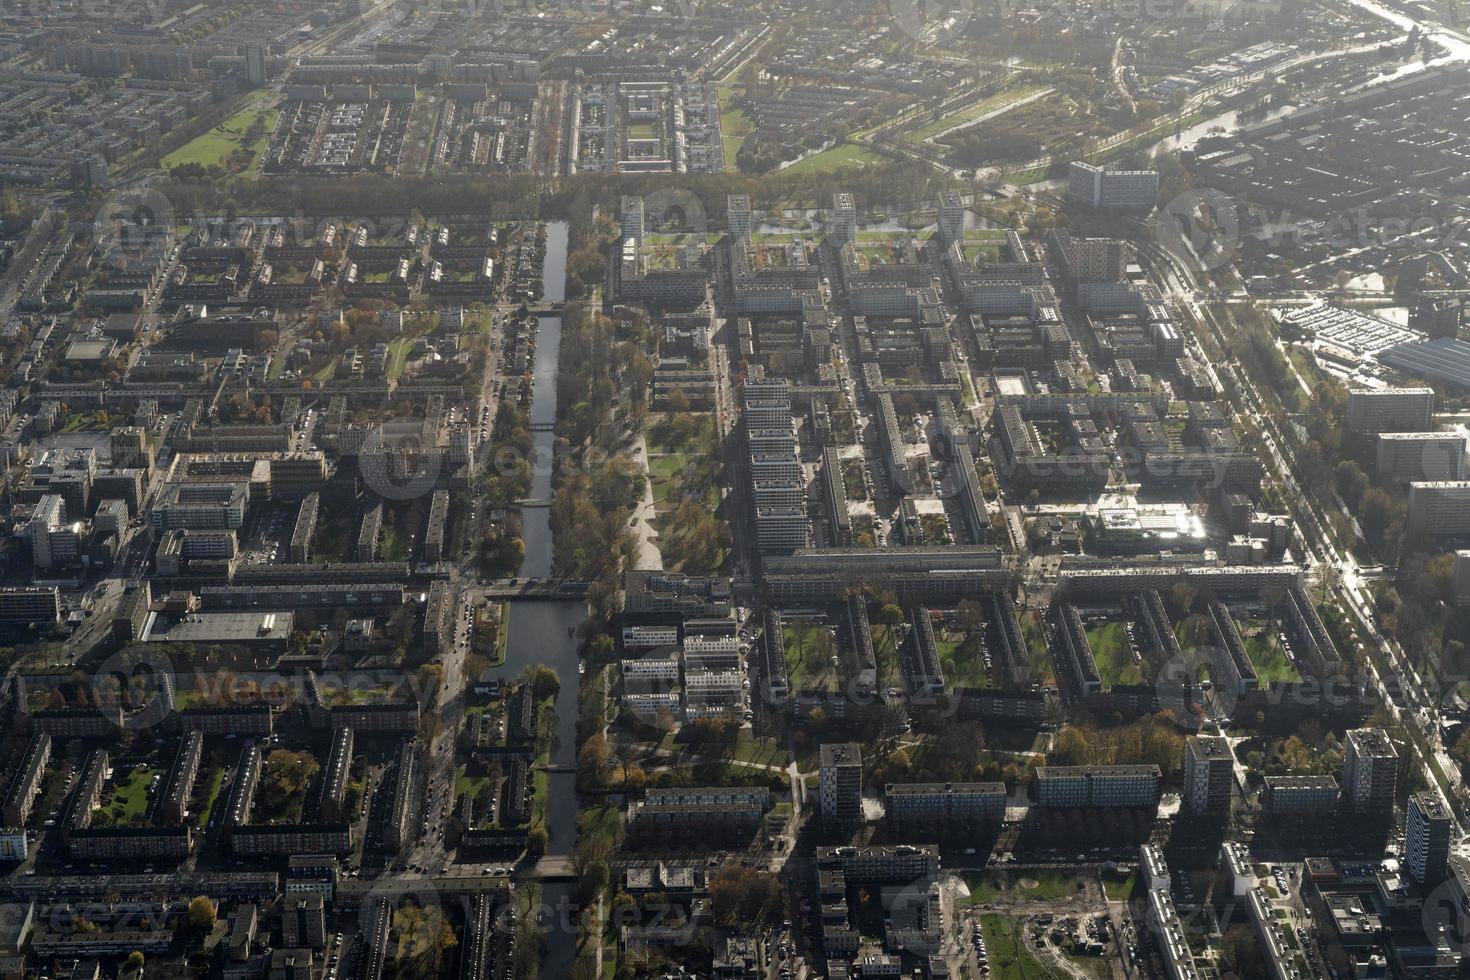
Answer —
(838, 157)
(214, 782)
(398, 355)
(971, 112)
(1119, 886)
(1009, 957)
(962, 660)
(214, 147)
(734, 126)
(1114, 659)
(1263, 646)
(808, 663)
(888, 651)
(130, 796)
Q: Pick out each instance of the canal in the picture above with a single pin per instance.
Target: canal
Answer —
(542, 632)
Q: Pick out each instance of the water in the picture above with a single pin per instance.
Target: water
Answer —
(535, 529)
(1225, 122)
(539, 631)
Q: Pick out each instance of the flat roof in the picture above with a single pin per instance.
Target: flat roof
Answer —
(255, 626)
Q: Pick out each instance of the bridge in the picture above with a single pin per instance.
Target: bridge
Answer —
(533, 502)
(540, 588)
(545, 309)
(543, 426)
(554, 868)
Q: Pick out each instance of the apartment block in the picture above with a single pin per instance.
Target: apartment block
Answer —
(1209, 775)
(1439, 508)
(945, 802)
(840, 783)
(1374, 410)
(1370, 772)
(1407, 457)
(1428, 829)
(1097, 786)
(1294, 796)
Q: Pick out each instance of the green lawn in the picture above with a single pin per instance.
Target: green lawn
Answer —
(215, 780)
(734, 126)
(1115, 663)
(974, 111)
(642, 131)
(398, 355)
(663, 474)
(1263, 646)
(837, 158)
(886, 651)
(1118, 886)
(962, 660)
(808, 657)
(983, 886)
(1010, 959)
(214, 147)
(129, 798)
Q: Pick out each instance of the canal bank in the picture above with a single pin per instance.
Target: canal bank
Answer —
(544, 632)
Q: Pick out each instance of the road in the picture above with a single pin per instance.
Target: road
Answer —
(1185, 275)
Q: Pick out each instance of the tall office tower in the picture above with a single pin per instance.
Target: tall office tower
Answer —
(844, 219)
(1427, 832)
(1209, 772)
(840, 783)
(1370, 772)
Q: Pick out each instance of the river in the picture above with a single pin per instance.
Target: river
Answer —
(540, 631)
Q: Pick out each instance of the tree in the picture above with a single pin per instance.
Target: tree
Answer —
(536, 841)
(594, 761)
(201, 914)
(745, 897)
(543, 681)
(1070, 748)
(135, 960)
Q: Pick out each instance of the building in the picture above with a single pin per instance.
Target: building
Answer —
(30, 604)
(951, 216)
(1461, 580)
(1428, 830)
(1300, 796)
(1370, 772)
(1439, 508)
(630, 219)
(13, 844)
(255, 65)
(943, 803)
(1100, 187)
(1097, 786)
(840, 783)
(1374, 410)
(1405, 457)
(843, 229)
(400, 814)
(180, 784)
(303, 921)
(725, 814)
(1209, 775)
(204, 506)
(901, 864)
(739, 218)
(334, 781)
(25, 785)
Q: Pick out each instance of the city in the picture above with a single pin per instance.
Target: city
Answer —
(746, 491)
